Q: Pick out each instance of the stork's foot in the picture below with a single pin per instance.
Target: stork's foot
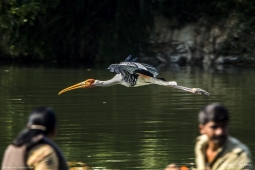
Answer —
(200, 91)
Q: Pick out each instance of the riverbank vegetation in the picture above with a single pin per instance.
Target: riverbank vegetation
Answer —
(108, 30)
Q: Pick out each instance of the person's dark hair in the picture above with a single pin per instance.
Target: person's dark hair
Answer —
(41, 121)
(213, 112)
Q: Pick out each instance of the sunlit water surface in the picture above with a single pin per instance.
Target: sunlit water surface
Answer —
(126, 128)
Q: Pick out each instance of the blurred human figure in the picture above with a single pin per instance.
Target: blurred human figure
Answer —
(33, 148)
(215, 149)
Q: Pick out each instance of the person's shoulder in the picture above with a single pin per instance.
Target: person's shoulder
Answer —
(39, 152)
(12, 149)
(202, 138)
(201, 142)
(9, 148)
(41, 148)
(237, 146)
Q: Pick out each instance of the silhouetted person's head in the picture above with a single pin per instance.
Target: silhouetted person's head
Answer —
(41, 121)
(213, 121)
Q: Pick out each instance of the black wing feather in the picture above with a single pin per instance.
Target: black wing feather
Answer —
(125, 69)
(132, 67)
(115, 68)
(145, 72)
(128, 58)
(143, 66)
(134, 59)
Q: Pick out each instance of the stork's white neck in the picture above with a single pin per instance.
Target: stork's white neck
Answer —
(115, 80)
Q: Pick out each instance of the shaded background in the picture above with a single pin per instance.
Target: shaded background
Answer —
(105, 30)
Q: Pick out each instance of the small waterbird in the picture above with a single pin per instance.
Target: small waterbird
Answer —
(133, 74)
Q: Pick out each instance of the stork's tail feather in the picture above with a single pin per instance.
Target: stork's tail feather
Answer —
(193, 90)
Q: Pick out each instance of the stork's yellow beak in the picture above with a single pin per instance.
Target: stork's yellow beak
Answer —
(85, 84)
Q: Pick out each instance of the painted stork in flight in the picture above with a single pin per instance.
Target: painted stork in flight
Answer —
(132, 74)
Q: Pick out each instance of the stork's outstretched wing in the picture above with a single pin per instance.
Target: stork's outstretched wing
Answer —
(126, 69)
(131, 66)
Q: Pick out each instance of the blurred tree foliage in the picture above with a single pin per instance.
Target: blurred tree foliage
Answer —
(103, 30)
(75, 30)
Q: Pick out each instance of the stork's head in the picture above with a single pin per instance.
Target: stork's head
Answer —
(89, 83)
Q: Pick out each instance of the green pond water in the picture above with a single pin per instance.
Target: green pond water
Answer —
(126, 128)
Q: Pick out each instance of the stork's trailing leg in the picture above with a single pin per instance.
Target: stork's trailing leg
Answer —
(173, 84)
(192, 90)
